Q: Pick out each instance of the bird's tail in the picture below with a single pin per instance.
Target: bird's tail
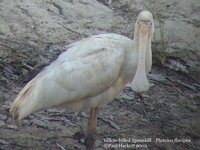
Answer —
(24, 104)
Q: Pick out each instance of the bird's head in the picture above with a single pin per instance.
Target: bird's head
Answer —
(144, 24)
(144, 29)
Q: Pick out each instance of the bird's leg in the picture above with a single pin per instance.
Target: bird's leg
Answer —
(92, 124)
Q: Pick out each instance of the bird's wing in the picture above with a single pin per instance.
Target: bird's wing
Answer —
(80, 78)
(70, 78)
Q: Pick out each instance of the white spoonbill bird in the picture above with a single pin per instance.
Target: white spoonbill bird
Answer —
(91, 72)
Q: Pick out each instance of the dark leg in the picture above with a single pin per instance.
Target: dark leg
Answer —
(92, 124)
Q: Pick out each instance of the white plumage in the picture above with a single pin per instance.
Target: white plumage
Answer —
(91, 72)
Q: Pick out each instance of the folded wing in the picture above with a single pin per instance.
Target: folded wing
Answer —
(70, 78)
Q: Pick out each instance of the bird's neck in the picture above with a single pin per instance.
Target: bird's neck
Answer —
(142, 44)
(136, 41)
(148, 55)
(136, 38)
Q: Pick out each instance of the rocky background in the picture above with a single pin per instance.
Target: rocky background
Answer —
(32, 34)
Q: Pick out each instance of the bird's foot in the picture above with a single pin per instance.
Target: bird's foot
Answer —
(90, 142)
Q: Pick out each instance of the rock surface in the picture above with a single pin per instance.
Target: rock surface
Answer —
(44, 25)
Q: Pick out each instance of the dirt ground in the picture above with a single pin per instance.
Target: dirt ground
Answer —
(168, 114)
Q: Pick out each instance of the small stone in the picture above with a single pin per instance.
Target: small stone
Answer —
(145, 95)
(3, 107)
(157, 77)
(111, 117)
(109, 121)
(177, 66)
(83, 114)
(11, 126)
(2, 123)
(4, 142)
(82, 141)
(3, 117)
(127, 97)
(40, 123)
